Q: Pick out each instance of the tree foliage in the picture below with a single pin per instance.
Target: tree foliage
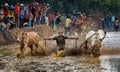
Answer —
(106, 7)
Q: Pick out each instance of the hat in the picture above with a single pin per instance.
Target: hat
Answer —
(37, 3)
(21, 4)
(47, 4)
(6, 4)
(11, 7)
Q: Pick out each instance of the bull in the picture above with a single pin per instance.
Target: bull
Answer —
(27, 39)
(93, 41)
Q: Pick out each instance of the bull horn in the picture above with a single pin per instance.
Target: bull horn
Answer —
(105, 34)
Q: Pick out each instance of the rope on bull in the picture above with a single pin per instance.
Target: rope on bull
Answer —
(87, 39)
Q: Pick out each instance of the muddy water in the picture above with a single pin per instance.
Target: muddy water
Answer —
(110, 63)
(110, 50)
(10, 63)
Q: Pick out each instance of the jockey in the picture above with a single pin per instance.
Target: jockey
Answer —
(60, 40)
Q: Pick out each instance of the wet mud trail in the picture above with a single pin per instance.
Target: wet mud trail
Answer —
(80, 63)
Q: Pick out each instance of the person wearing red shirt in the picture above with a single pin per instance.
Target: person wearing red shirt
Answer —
(17, 11)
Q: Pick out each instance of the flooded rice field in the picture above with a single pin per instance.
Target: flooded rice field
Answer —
(10, 63)
(107, 62)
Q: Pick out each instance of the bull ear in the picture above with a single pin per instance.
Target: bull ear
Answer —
(22, 31)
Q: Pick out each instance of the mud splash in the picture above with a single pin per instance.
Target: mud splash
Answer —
(9, 62)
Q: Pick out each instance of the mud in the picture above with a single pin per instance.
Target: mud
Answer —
(10, 63)
(9, 37)
(111, 44)
(79, 63)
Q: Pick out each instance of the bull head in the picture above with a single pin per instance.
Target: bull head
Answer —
(101, 35)
(20, 36)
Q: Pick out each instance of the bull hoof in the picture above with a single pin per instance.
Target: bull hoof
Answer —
(19, 56)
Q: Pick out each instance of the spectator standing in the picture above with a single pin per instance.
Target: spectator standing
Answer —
(12, 11)
(21, 16)
(37, 14)
(116, 24)
(103, 23)
(51, 18)
(63, 20)
(57, 20)
(17, 12)
(83, 16)
(67, 24)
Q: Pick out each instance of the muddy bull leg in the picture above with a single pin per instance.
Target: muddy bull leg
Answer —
(76, 43)
(31, 47)
(45, 42)
(22, 53)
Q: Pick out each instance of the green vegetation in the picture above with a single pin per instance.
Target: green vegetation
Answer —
(106, 7)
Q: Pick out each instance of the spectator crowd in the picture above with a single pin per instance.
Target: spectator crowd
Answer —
(22, 15)
(27, 15)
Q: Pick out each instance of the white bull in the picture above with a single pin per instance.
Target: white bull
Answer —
(93, 41)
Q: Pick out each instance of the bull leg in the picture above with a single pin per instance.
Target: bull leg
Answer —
(93, 51)
(89, 50)
(20, 55)
(36, 48)
(86, 47)
(22, 51)
(31, 47)
(96, 51)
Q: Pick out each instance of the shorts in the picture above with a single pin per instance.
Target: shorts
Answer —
(60, 47)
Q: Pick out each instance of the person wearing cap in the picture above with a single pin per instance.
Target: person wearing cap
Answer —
(6, 9)
(6, 4)
(60, 40)
(12, 11)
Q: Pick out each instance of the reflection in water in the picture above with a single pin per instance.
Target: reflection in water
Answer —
(110, 63)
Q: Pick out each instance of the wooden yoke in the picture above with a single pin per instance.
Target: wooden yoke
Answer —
(46, 40)
(76, 38)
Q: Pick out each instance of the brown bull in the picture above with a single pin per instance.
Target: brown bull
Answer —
(27, 39)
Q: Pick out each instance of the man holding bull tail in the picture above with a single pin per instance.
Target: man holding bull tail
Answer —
(60, 40)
